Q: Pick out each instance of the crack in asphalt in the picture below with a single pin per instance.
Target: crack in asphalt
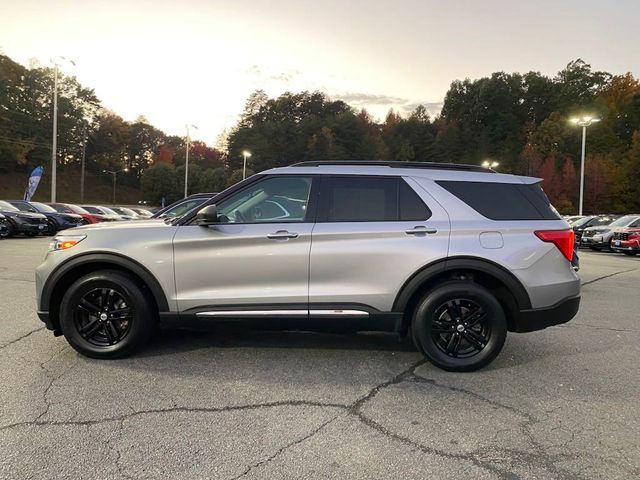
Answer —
(17, 280)
(486, 458)
(283, 449)
(4, 345)
(597, 327)
(608, 276)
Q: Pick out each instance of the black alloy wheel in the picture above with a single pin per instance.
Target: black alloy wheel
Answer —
(103, 316)
(107, 314)
(459, 326)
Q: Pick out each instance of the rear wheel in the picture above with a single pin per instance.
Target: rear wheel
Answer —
(106, 314)
(459, 326)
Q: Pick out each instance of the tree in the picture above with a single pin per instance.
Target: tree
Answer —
(159, 182)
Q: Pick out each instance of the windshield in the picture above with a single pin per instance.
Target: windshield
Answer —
(125, 211)
(108, 211)
(624, 221)
(41, 207)
(76, 209)
(93, 210)
(601, 221)
(582, 221)
(180, 210)
(7, 206)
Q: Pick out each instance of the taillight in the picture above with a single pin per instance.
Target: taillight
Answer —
(563, 239)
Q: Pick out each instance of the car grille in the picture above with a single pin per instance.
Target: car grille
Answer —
(35, 221)
(621, 236)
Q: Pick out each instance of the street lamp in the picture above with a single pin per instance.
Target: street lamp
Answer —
(54, 142)
(490, 164)
(583, 122)
(245, 154)
(114, 173)
(186, 164)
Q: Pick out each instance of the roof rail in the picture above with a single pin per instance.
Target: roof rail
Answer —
(395, 164)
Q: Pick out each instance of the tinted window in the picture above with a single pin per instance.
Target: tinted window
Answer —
(411, 205)
(503, 201)
(275, 199)
(370, 199)
(635, 224)
(358, 199)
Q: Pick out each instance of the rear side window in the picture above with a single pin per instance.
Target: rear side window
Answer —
(369, 199)
(503, 201)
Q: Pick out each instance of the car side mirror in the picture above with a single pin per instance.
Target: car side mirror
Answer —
(207, 216)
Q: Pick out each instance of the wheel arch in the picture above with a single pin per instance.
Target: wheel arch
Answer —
(64, 275)
(503, 284)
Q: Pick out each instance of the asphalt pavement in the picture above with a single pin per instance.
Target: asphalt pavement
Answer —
(229, 403)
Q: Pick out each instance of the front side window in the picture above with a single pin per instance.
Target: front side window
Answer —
(276, 199)
(370, 199)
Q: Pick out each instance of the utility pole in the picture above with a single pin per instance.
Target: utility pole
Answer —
(114, 173)
(84, 153)
(54, 143)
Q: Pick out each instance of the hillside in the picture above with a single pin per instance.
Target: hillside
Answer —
(98, 188)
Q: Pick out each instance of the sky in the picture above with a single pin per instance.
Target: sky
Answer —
(196, 61)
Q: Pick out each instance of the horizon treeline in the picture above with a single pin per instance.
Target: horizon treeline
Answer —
(518, 120)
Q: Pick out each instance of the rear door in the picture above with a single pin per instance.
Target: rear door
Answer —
(371, 235)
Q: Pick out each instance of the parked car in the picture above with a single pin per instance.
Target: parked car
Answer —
(142, 212)
(3, 226)
(103, 213)
(627, 239)
(599, 237)
(56, 221)
(71, 208)
(591, 221)
(18, 222)
(456, 254)
(125, 213)
(184, 205)
(573, 218)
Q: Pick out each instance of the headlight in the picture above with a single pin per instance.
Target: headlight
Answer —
(63, 242)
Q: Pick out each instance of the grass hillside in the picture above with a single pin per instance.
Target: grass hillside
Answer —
(97, 188)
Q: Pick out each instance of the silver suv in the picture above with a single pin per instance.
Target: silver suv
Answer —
(454, 255)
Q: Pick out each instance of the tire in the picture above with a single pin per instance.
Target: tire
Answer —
(595, 249)
(8, 232)
(117, 331)
(471, 345)
(52, 228)
(631, 254)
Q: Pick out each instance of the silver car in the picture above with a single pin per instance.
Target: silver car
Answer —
(599, 237)
(454, 255)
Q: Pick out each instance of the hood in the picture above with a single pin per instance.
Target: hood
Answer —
(8, 213)
(600, 228)
(154, 222)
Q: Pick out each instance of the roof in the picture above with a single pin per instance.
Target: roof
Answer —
(430, 170)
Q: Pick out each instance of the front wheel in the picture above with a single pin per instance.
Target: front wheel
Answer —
(459, 326)
(106, 314)
(52, 228)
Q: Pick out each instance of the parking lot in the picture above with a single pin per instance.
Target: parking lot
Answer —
(231, 403)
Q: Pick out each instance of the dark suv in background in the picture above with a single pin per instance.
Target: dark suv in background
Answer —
(27, 223)
(56, 221)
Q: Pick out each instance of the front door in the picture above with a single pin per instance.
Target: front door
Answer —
(256, 258)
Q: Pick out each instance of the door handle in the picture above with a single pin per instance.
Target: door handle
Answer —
(417, 230)
(282, 234)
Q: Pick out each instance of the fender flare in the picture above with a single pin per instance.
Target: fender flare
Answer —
(430, 271)
(105, 258)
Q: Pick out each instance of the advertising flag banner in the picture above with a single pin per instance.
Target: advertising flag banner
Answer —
(34, 180)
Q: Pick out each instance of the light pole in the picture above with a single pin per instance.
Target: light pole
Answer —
(490, 164)
(54, 141)
(186, 163)
(583, 122)
(245, 154)
(114, 173)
